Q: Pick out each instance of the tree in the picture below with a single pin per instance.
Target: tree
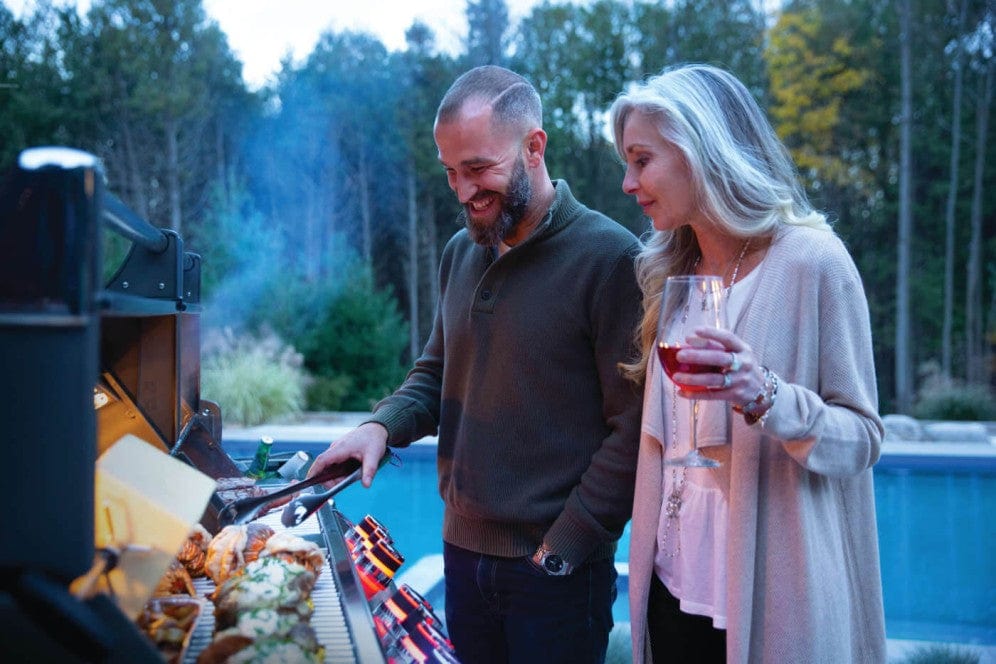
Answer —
(982, 48)
(30, 109)
(576, 57)
(949, 212)
(154, 75)
(487, 23)
(425, 76)
(904, 372)
(810, 82)
(360, 335)
(728, 34)
(329, 155)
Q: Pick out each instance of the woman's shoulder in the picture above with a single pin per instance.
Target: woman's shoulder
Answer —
(815, 251)
(808, 243)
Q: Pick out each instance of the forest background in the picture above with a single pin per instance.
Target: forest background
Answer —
(320, 209)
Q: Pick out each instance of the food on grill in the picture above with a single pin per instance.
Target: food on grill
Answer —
(262, 596)
(176, 581)
(220, 649)
(261, 615)
(193, 553)
(169, 622)
(291, 548)
(275, 651)
(268, 583)
(240, 649)
(236, 488)
(233, 548)
(259, 624)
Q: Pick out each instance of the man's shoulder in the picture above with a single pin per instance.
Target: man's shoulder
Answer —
(593, 222)
(599, 228)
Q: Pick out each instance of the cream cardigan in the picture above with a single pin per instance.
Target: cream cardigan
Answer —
(803, 579)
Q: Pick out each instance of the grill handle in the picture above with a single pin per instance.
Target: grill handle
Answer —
(132, 227)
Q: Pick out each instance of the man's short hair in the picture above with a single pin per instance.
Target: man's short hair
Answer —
(513, 99)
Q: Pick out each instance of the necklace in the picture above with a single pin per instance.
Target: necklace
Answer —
(672, 506)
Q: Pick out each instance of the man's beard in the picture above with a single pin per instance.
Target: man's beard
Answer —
(513, 210)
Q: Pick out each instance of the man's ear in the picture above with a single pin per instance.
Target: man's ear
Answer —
(535, 147)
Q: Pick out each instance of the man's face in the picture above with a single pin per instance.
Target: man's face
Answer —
(487, 172)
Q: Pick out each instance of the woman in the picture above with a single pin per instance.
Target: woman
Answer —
(772, 556)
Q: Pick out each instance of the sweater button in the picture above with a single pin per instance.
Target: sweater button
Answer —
(486, 295)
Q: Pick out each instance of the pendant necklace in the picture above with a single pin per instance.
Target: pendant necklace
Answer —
(672, 506)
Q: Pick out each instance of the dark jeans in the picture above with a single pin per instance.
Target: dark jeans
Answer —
(508, 610)
(676, 636)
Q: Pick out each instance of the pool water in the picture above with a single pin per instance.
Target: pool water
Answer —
(936, 538)
(937, 532)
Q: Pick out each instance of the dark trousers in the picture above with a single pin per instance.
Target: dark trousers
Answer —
(506, 610)
(676, 636)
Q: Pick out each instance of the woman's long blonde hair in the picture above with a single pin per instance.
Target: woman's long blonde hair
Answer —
(743, 177)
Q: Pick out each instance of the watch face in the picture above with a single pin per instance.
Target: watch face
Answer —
(553, 563)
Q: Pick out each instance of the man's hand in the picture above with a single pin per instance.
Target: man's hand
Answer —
(366, 443)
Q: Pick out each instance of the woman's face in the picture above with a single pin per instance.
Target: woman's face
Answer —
(657, 175)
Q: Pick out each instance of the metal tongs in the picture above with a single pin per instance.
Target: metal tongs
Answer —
(240, 512)
(304, 506)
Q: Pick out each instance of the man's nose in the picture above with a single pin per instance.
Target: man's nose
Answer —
(465, 189)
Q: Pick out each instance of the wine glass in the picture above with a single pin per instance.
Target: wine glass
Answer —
(689, 302)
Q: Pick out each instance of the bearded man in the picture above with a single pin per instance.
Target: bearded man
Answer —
(537, 428)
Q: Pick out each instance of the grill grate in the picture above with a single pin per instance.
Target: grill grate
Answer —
(328, 619)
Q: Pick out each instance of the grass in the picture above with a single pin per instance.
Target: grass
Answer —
(254, 379)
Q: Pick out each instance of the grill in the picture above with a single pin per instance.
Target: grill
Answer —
(341, 619)
(85, 363)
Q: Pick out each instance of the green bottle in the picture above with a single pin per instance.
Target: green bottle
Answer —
(257, 468)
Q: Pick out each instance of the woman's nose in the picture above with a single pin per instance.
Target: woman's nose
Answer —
(629, 183)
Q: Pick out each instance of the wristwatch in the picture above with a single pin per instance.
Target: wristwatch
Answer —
(551, 562)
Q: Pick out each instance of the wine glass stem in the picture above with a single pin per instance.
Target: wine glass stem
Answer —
(695, 426)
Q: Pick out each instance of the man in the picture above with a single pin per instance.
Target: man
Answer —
(537, 428)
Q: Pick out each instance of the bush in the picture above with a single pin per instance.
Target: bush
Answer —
(361, 336)
(944, 398)
(329, 392)
(351, 335)
(253, 379)
(940, 654)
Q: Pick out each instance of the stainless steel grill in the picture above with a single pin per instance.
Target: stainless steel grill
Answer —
(68, 336)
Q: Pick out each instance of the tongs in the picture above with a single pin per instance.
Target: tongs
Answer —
(304, 506)
(240, 512)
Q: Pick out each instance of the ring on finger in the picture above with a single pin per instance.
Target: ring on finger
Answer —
(735, 362)
(727, 381)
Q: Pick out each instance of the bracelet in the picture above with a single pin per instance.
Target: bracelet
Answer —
(771, 402)
(757, 409)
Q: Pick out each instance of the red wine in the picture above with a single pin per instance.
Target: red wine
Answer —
(668, 354)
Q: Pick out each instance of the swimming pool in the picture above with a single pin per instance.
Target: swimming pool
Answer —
(937, 530)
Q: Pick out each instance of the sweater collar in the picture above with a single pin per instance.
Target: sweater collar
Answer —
(564, 208)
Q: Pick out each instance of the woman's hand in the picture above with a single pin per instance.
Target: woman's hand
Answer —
(736, 374)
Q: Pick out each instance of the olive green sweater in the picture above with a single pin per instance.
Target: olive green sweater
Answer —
(538, 431)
